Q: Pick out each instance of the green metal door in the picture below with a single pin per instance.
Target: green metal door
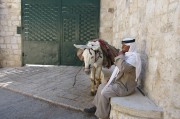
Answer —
(51, 27)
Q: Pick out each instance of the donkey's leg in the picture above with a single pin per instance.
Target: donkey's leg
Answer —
(92, 77)
(92, 93)
(98, 77)
(98, 82)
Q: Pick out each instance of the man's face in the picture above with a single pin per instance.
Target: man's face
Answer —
(125, 48)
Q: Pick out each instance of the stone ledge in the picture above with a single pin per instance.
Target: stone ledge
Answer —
(136, 105)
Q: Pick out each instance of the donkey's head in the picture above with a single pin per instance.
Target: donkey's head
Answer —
(88, 54)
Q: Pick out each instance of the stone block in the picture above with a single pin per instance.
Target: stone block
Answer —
(15, 18)
(5, 1)
(18, 63)
(5, 28)
(3, 46)
(4, 11)
(178, 31)
(171, 1)
(15, 47)
(3, 63)
(9, 23)
(2, 5)
(133, 20)
(19, 18)
(17, 1)
(133, 6)
(135, 106)
(107, 24)
(107, 3)
(19, 40)
(9, 33)
(154, 27)
(141, 15)
(164, 19)
(17, 52)
(16, 6)
(4, 23)
(173, 5)
(178, 16)
(17, 35)
(103, 11)
(14, 40)
(107, 17)
(16, 58)
(120, 5)
(10, 63)
(161, 7)
(7, 40)
(9, 46)
(142, 3)
(15, 12)
(176, 113)
(12, 29)
(106, 30)
(1, 40)
(9, 56)
(168, 27)
(133, 31)
(9, 6)
(16, 23)
(175, 96)
(150, 8)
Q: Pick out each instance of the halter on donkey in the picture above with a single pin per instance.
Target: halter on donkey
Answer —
(96, 54)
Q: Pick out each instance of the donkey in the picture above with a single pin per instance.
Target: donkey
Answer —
(96, 54)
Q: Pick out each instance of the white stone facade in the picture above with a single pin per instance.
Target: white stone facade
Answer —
(106, 20)
(156, 26)
(10, 41)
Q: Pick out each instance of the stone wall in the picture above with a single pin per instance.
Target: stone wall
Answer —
(106, 20)
(156, 26)
(10, 41)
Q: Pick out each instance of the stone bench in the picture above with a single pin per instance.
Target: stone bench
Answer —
(135, 106)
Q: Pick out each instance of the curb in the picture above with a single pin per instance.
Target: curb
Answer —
(43, 99)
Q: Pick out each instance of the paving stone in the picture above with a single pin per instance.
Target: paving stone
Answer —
(51, 83)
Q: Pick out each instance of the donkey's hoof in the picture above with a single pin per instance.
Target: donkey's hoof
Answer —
(93, 93)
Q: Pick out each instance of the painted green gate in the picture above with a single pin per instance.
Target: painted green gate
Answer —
(51, 27)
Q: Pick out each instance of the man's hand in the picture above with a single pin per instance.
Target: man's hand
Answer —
(120, 53)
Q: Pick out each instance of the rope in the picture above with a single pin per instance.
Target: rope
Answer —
(77, 74)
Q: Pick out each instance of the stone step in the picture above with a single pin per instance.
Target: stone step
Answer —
(135, 106)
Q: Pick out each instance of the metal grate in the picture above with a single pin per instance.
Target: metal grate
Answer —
(86, 18)
(40, 22)
(69, 29)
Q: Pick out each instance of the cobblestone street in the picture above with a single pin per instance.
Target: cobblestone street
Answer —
(51, 84)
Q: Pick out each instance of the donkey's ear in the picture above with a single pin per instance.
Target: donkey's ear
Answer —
(81, 46)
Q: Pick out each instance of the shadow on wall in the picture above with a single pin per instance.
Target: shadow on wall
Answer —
(144, 61)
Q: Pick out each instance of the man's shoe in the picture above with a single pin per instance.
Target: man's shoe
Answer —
(91, 110)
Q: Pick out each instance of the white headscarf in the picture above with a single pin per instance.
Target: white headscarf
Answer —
(132, 57)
